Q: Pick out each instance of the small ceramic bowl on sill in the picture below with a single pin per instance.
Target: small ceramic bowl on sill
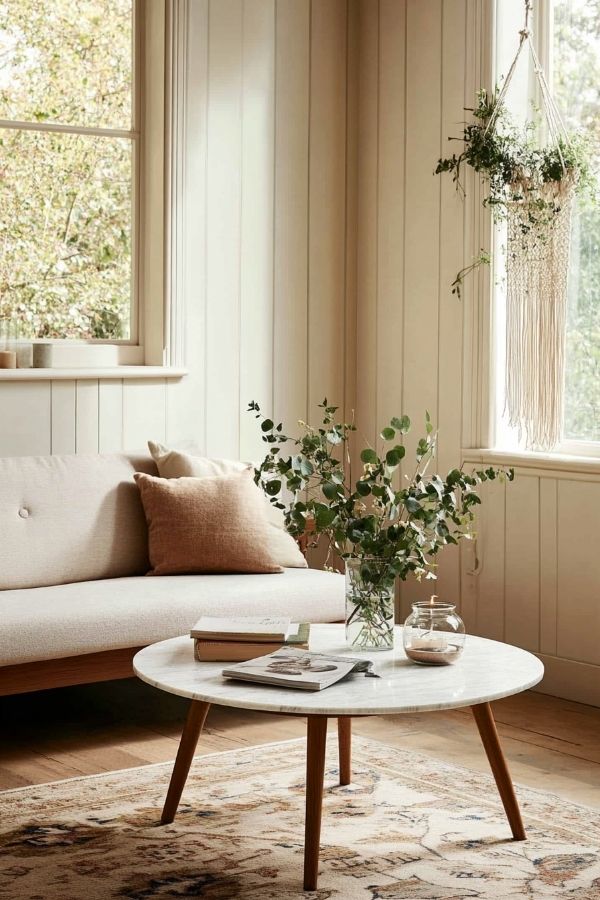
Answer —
(434, 633)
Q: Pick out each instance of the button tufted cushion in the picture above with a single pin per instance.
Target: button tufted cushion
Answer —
(70, 518)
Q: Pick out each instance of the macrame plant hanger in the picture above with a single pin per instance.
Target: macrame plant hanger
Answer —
(537, 263)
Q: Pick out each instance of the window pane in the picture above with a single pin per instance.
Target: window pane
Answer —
(65, 234)
(67, 61)
(576, 71)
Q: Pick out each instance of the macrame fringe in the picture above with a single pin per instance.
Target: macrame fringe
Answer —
(537, 273)
(536, 313)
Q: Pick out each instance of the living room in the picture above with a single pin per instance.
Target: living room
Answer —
(299, 317)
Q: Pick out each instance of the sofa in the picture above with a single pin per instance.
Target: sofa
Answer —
(75, 601)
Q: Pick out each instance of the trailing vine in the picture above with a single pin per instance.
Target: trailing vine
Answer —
(515, 171)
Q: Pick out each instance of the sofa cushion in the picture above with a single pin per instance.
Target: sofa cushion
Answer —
(178, 464)
(70, 518)
(206, 525)
(72, 619)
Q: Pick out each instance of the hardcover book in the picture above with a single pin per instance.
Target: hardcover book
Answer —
(247, 628)
(240, 651)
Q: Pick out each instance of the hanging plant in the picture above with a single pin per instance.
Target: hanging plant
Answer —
(520, 177)
(532, 188)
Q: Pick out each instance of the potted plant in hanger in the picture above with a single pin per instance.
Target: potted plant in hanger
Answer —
(383, 528)
(530, 184)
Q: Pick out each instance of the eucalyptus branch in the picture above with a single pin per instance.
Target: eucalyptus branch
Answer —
(368, 518)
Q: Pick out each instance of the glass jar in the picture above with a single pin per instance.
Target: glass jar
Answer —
(370, 595)
(434, 633)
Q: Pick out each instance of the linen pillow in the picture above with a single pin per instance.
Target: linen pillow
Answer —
(209, 525)
(177, 464)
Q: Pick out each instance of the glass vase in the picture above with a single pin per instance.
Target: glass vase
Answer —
(369, 604)
(434, 633)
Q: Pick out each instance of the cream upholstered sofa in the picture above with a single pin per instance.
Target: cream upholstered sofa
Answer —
(75, 603)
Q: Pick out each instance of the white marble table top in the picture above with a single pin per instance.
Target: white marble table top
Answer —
(487, 670)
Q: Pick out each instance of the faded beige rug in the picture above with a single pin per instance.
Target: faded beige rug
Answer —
(408, 827)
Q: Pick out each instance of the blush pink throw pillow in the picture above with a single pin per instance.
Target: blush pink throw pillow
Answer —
(206, 525)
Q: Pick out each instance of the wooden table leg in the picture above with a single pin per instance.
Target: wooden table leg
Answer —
(489, 736)
(185, 754)
(315, 773)
(345, 748)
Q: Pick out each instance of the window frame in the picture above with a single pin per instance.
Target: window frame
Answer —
(148, 135)
(568, 449)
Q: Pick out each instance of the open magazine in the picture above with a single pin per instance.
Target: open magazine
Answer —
(299, 669)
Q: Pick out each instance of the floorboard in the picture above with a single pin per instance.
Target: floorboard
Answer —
(551, 744)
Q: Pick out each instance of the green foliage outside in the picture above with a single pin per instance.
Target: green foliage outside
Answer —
(577, 88)
(66, 199)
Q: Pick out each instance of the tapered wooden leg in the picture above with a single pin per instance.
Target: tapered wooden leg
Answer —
(185, 754)
(345, 748)
(315, 772)
(489, 737)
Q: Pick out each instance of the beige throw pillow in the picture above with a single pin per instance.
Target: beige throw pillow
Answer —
(176, 464)
(205, 525)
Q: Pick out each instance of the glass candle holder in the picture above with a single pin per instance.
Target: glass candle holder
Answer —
(434, 633)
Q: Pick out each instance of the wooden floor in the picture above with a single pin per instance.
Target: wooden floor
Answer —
(550, 744)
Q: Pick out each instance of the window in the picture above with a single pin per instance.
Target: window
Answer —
(82, 134)
(568, 38)
(575, 69)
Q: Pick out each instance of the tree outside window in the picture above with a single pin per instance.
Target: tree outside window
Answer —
(67, 161)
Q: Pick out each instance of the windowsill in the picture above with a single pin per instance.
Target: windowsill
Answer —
(95, 373)
(557, 462)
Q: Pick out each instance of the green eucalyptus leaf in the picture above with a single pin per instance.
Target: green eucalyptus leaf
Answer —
(324, 517)
(330, 490)
(388, 434)
(395, 456)
(401, 424)
(369, 456)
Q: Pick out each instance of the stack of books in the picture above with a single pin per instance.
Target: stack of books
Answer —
(241, 639)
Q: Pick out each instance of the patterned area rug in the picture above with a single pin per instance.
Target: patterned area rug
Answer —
(408, 827)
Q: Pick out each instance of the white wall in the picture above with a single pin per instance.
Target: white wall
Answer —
(319, 253)
(265, 264)
(533, 577)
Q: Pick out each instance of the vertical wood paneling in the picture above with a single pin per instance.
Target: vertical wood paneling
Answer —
(390, 203)
(548, 564)
(578, 620)
(522, 560)
(144, 413)
(25, 416)
(421, 236)
(488, 584)
(290, 325)
(258, 149)
(352, 86)
(186, 406)
(422, 198)
(223, 221)
(327, 206)
(367, 224)
(449, 390)
(451, 241)
(110, 416)
(63, 416)
(86, 424)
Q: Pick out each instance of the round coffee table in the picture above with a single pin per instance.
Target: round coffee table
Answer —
(487, 671)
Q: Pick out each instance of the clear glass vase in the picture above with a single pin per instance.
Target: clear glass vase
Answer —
(434, 633)
(369, 604)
